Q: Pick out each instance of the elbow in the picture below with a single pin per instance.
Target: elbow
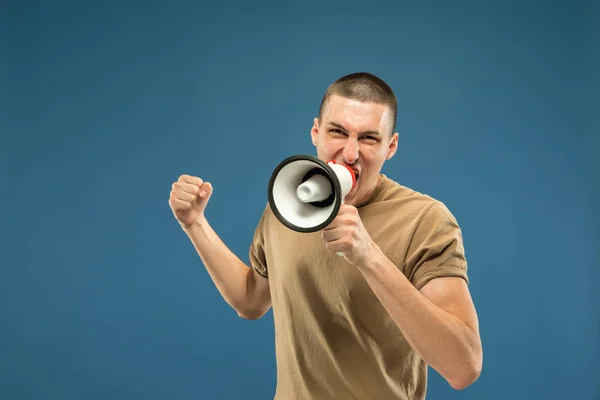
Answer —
(465, 380)
(469, 375)
(251, 313)
(248, 315)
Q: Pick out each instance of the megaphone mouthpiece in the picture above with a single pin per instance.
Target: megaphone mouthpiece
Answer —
(316, 188)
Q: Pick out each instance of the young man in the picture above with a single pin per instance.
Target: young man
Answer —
(364, 325)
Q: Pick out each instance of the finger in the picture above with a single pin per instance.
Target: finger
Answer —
(194, 180)
(339, 221)
(333, 225)
(184, 196)
(336, 223)
(339, 245)
(347, 209)
(205, 189)
(179, 204)
(330, 235)
(186, 187)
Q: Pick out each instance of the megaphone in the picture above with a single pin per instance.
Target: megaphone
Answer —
(305, 192)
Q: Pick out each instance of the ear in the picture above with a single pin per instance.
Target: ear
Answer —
(392, 147)
(314, 131)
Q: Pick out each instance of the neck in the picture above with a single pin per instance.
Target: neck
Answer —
(369, 194)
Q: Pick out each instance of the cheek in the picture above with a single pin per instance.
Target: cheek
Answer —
(376, 158)
(330, 147)
(371, 165)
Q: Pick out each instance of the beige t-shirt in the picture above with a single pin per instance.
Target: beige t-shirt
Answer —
(333, 338)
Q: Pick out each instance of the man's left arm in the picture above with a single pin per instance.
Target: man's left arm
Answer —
(434, 309)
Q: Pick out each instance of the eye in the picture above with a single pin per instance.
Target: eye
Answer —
(371, 139)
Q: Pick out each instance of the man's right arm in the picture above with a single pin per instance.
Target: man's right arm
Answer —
(241, 286)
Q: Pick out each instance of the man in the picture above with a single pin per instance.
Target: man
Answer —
(364, 325)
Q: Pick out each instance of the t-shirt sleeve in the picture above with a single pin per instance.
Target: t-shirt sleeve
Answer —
(258, 260)
(436, 248)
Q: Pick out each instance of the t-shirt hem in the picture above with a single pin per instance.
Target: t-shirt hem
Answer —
(425, 279)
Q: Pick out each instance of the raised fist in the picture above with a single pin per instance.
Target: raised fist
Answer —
(188, 199)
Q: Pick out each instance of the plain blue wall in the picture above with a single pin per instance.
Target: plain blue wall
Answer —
(104, 104)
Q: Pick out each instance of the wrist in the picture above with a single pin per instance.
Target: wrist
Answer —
(199, 223)
(373, 260)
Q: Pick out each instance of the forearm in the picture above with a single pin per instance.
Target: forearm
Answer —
(229, 274)
(444, 342)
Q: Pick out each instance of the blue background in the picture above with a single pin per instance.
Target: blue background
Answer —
(104, 104)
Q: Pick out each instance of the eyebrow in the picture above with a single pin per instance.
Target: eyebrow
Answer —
(376, 133)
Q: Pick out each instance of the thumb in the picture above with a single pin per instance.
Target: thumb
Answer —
(206, 190)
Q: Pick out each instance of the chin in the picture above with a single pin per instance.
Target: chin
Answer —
(351, 197)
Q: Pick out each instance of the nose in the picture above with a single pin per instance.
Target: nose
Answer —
(350, 151)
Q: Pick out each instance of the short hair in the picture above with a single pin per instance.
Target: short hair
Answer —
(363, 87)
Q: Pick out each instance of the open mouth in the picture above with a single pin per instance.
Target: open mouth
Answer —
(356, 176)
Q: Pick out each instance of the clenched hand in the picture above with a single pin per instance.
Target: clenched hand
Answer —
(188, 199)
(346, 234)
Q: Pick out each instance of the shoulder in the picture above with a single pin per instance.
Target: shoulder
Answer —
(423, 209)
(266, 217)
(400, 195)
(268, 222)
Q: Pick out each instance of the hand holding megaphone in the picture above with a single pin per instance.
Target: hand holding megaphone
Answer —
(348, 237)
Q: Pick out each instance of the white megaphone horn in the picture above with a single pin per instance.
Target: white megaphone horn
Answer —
(305, 192)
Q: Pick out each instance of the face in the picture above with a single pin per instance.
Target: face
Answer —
(358, 135)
